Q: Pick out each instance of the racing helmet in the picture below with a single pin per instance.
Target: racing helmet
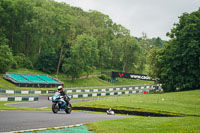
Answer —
(60, 88)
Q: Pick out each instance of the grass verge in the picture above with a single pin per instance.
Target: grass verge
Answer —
(7, 85)
(147, 125)
(96, 82)
(178, 103)
(90, 82)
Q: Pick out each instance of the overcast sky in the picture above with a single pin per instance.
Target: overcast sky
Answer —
(153, 17)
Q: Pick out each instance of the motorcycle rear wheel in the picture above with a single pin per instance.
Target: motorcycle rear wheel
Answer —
(68, 109)
(55, 108)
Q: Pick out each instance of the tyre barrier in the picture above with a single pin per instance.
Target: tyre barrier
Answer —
(18, 98)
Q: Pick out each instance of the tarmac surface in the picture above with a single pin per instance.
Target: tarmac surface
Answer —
(25, 120)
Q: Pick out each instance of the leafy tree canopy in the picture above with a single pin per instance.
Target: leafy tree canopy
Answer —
(178, 63)
(47, 61)
(6, 58)
(45, 35)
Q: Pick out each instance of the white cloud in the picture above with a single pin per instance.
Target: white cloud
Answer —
(154, 17)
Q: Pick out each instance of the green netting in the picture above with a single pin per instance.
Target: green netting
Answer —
(18, 78)
(80, 129)
(25, 78)
(47, 79)
(33, 78)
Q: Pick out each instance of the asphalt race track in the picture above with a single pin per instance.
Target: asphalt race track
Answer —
(25, 120)
(43, 102)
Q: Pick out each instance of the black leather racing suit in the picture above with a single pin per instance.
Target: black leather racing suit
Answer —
(64, 96)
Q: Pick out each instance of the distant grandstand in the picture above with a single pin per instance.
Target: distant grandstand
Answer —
(32, 80)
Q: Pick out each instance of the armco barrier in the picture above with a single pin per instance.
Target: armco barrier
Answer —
(17, 91)
(18, 98)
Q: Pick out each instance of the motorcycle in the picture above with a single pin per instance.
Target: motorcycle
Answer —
(59, 104)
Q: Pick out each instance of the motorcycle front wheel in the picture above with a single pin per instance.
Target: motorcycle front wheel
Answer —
(68, 108)
(55, 108)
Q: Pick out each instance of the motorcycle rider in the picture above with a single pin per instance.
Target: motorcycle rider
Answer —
(62, 93)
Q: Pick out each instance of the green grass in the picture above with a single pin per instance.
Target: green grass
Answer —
(60, 75)
(180, 103)
(7, 85)
(27, 71)
(148, 125)
(96, 82)
(187, 102)
(90, 82)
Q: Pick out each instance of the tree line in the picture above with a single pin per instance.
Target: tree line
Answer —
(177, 65)
(53, 37)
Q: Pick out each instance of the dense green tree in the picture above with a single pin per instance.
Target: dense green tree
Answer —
(73, 67)
(3, 39)
(6, 58)
(154, 66)
(157, 42)
(31, 27)
(85, 51)
(21, 61)
(103, 33)
(88, 52)
(146, 45)
(178, 62)
(47, 61)
(130, 54)
(116, 50)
